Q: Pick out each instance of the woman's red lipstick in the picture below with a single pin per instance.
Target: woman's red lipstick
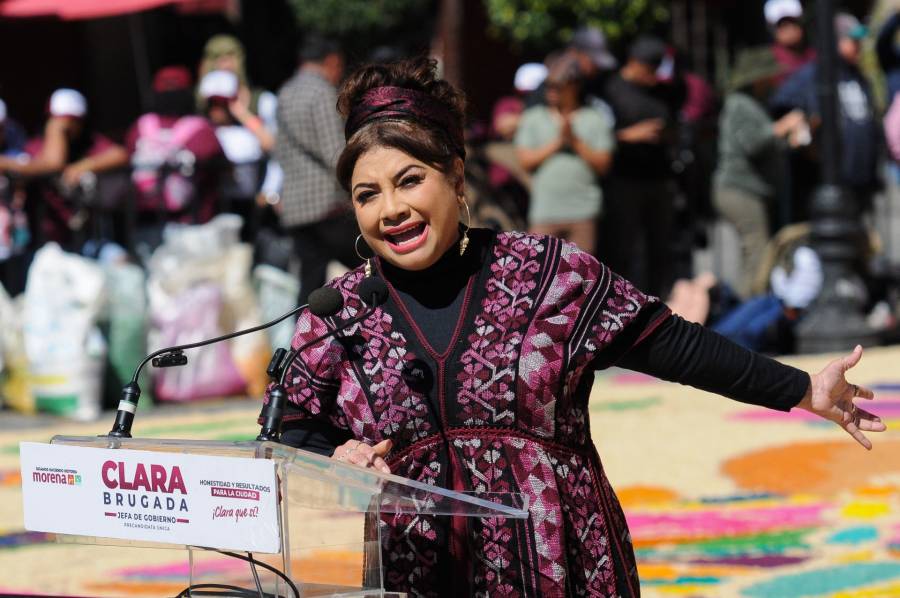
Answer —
(407, 238)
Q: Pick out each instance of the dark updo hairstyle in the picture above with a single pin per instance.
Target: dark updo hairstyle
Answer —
(420, 139)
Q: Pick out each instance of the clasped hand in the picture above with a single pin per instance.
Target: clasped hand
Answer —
(364, 455)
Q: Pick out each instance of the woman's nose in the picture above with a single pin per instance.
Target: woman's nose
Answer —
(393, 209)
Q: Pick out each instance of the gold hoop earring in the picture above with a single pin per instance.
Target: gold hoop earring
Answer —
(367, 260)
(464, 241)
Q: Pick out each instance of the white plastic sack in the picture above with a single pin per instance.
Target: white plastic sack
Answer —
(64, 295)
(14, 391)
(210, 371)
(200, 256)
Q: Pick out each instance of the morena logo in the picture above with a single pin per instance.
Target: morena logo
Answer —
(117, 476)
(63, 479)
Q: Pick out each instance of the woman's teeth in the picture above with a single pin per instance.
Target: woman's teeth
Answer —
(407, 236)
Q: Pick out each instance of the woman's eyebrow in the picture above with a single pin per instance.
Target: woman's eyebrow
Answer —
(394, 178)
(364, 184)
(403, 171)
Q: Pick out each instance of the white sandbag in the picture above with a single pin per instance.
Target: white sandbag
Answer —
(64, 296)
(184, 263)
(210, 371)
(14, 391)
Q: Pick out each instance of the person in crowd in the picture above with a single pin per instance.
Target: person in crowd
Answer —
(860, 130)
(14, 233)
(693, 158)
(529, 77)
(529, 82)
(252, 107)
(889, 54)
(241, 146)
(749, 161)
(313, 208)
(596, 62)
(589, 47)
(12, 135)
(638, 220)
(69, 150)
(699, 97)
(889, 60)
(698, 117)
(506, 177)
(176, 159)
(568, 146)
(789, 44)
(765, 322)
(792, 51)
(219, 90)
(507, 114)
(505, 118)
(475, 373)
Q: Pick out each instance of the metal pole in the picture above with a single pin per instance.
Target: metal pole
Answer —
(826, 84)
(700, 33)
(141, 63)
(835, 321)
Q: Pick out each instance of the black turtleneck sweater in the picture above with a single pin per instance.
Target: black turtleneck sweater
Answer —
(434, 296)
(676, 351)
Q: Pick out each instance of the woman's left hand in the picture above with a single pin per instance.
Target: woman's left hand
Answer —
(831, 396)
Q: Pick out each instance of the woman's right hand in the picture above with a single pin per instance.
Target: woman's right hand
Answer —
(364, 455)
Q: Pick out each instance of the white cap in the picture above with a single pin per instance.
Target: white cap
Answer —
(219, 84)
(68, 102)
(775, 10)
(529, 76)
(2, 111)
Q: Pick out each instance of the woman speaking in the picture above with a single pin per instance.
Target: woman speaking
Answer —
(475, 374)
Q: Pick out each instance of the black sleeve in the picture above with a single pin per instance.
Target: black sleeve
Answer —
(314, 436)
(688, 353)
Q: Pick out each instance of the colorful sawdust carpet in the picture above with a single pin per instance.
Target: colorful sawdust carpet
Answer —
(723, 499)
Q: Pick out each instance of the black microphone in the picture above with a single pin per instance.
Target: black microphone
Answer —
(322, 302)
(373, 292)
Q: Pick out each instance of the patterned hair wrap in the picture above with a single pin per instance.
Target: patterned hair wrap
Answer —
(400, 102)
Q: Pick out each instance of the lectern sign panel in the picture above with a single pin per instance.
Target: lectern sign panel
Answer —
(199, 500)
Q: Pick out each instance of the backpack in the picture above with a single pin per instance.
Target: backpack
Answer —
(162, 166)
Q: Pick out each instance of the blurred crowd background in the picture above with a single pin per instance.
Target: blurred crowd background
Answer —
(166, 167)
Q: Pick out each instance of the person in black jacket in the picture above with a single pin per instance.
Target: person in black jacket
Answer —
(859, 126)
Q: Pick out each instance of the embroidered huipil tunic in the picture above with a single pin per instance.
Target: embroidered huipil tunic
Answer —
(503, 408)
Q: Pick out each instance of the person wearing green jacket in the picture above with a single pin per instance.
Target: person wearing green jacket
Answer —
(749, 155)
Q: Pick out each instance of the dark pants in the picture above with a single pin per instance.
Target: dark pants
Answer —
(637, 232)
(321, 242)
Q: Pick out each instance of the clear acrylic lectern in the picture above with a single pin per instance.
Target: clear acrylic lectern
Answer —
(329, 546)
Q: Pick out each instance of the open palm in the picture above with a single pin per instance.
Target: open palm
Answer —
(830, 396)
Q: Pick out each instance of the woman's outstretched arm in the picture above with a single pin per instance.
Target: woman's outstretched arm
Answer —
(684, 352)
